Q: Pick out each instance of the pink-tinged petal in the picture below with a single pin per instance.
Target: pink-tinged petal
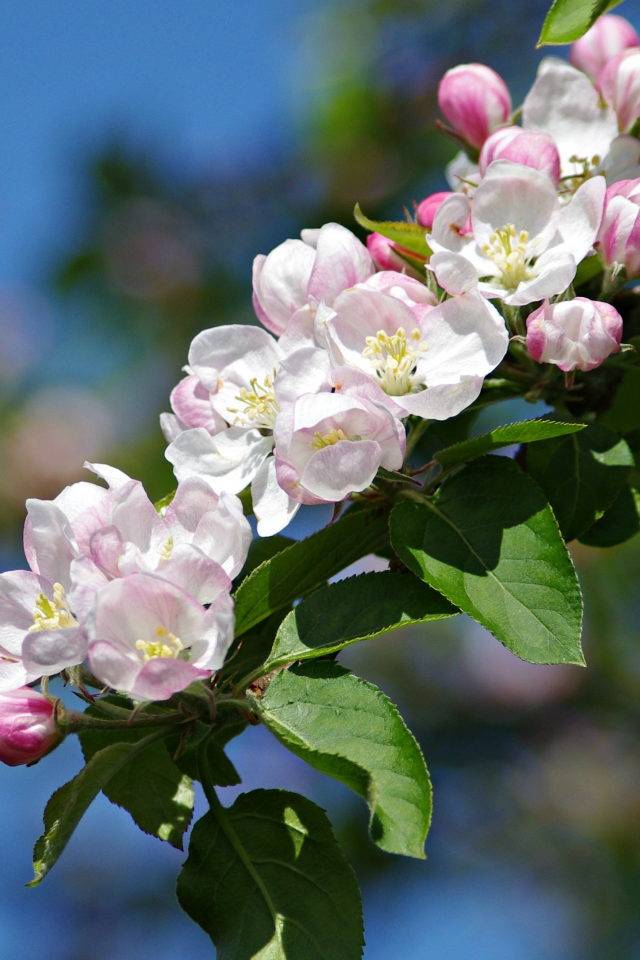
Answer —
(428, 208)
(607, 37)
(28, 726)
(50, 543)
(12, 674)
(160, 678)
(299, 332)
(355, 384)
(535, 332)
(514, 194)
(234, 352)
(289, 479)
(227, 462)
(341, 262)
(171, 426)
(258, 264)
(86, 580)
(574, 334)
(225, 535)
(280, 283)
(106, 549)
(450, 222)
(209, 652)
(305, 371)
(19, 590)
(454, 272)
(136, 518)
(443, 401)
(47, 652)
(112, 666)
(619, 85)
(273, 507)
(527, 147)
(194, 573)
(385, 255)
(191, 402)
(475, 100)
(402, 287)
(342, 468)
(193, 499)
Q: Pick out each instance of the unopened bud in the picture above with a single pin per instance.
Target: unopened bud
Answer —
(608, 37)
(619, 86)
(428, 208)
(574, 334)
(531, 149)
(475, 100)
(619, 235)
(385, 256)
(27, 726)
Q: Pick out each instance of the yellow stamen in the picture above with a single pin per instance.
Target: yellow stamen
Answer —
(328, 439)
(511, 252)
(260, 404)
(394, 359)
(52, 614)
(167, 645)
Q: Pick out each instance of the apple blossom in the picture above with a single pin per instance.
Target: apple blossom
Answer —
(27, 726)
(447, 349)
(299, 274)
(331, 445)
(619, 237)
(151, 639)
(574, 334)
(564, 104)
(525, 246)
(608, 36)
(428, 208)
(537, 150)
(384, 253)
(619, 85)
(475, 100)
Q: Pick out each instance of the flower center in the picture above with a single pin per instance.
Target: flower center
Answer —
(52, 614)
(394, 359)
(166, 645)
(328, 439)
(589, 169)
(260, 405)
(508, 250)
(166, 548)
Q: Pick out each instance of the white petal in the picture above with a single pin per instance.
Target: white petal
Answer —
(274, 509)
(228, 462)
(443, 401)
(234, 352)
(454, 272)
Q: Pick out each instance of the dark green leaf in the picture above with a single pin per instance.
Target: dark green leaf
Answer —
(525, 432)
(490, 543)
(350, 730)
(305, 565)
(67, 806)
(623, 415)
(354, 609)
(618, 524)
(266, 879)
(568, 20)
(581, 475)
(411, 236)
(252, 649)
(261, 550)
(223, 772)
(153, 790)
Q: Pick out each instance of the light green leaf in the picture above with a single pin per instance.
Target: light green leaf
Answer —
(581, 475)
(348, 729)
(267, 881)
(568, 20)
(67, 806)
(525, 432)
(618, 524)
(305, 565)
(411, 236)
(352, 610)
(153, 790)
(490, 543)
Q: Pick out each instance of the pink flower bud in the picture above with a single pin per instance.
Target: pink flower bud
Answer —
(384, 255)
(430, 206)
(619, 86)
(574, 334)
(27, 726)
(619, 236)
(609, 36)
(474, 100)
(531, 149)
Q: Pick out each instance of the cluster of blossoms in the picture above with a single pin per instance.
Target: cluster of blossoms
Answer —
(357, 344)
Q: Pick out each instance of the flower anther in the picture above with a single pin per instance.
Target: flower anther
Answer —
(167, 645)
(333, 436)
(52, 614)
(510, 252)
(394, 359)
(260, 404)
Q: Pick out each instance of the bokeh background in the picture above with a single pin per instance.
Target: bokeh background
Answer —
(148, 151)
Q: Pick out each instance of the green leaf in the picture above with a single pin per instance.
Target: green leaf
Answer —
(307, 564)
(67, 806)
(153, 790)
(352, 610)
(618, 524)
(490, 543)
(261, 550)
(568, 20)
(581, 475)
(525, 432)
(623, 415)
(267, 881)
(411, 236)
(223, 772)
(348, 729)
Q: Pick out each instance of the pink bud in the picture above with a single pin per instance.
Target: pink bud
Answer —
(609, 36)
(619, 86)
(574, 334)
(430, 206)
(475, 100)
(619, 235)
(384, 255)
(27, 726)
(531, 149)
